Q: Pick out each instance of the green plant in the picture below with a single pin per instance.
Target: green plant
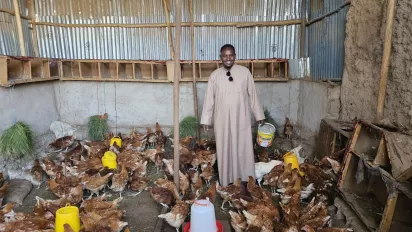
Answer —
(97, 127)
(188, 126)
(17, 141)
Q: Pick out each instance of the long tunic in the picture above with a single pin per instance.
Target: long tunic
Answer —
(228, 104)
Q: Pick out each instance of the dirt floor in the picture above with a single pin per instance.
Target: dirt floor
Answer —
(365, 30)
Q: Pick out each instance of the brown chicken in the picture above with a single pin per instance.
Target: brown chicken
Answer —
(5, 210)
(119, 180)
(67, 228)
(140, 168)
(254, 190)
(3, 190)
(194, 175)
(74, 156)
(184, 182)
(184, 142)
(92, 162)
(96, 183)
(62, 143)
(138, 183)
(32, 224)
(238, 204)
(238, 221)
(189, 197)
(96, 148)
(169, 185)
(285, 177)
(288, 128)
(228, 191)
(92, 221)
(100, 203)
(261, 221)
(50, 168)
(68, 181)
(263, 156)
(52, 205)
(207, 173)
(37, 171)
(177, 215)
(210, 193)
(272, 177)
(198, 187)
(262, 208)
(158, 161)
(162, 195)
(315, 216)
(291, 211)
(1, 179)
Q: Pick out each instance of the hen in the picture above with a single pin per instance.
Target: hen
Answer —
(120, 180)
(62, 143)
(96, 183)
(162, 195)
(228, 192)
(288, 128)
(210, 193)
(238, 221)
(272, 177)
(262, 208)
(3, 190)
(207, 172)
(37, 171)
(177, 215)
(261, 221)
(262, 168)
(254, 190)
(138, 183)
(100, 203)
(184, 182)
(169, 185)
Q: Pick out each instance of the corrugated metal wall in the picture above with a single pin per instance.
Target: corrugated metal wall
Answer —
(9, 39)
(152, 43)
(326, 39)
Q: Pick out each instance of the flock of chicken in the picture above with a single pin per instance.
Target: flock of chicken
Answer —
(78, 167)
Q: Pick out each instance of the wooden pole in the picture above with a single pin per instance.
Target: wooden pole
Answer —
(303, 30)
(34, 29)
(8, 11)
(19, 28)
(192, 32)
(166, 7)
(386, 58)
(176, 93)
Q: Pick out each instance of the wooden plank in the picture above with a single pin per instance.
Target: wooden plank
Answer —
(3, 70)
(19, 27)
(166, 7)
(388, 213)
(192, 35)
(152, 71)
(34, 28)
(8, 11)
(345, 169)
(387, 49)
(400, 155)
(355, 137)
(15, 82)
(113, 79)
(381, 158)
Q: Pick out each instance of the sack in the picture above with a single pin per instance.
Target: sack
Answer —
(17, 190)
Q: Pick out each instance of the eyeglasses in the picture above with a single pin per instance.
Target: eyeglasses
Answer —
(229, 75)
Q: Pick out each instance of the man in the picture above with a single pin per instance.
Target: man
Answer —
(230, 90)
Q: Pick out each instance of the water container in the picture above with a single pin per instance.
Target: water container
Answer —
(116, 139)
(202, 217)
(291, 158)
(109, 160)
(67, 215)
(265, 134)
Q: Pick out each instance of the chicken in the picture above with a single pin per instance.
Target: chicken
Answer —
(272, 177)
(68, 181)
(94, 222)
(291, 211)
(162, 195)
(288, 128)
(198, 187)
(50, 168)
(314, 216)
(138, 183)
(52, 205)
(158, 161)
(203, 156)
(93, 162)
(184, 182)
(37, 171)
(140, 168)
(238, 221)
(288, 192)
(190, 197)
(228, 192)
(285, 177)
(150, 154)
(262, 168)
(6, 210)
(32, 224)
(3, 190)
(96, 183)
(74, 156)
(120, 180)
(194, 175)
(177, 215)
(62, 143)
(169, 165)
(336, 166)
(1, 179)
(96, 148)
(207, 172)
(67, 228)
(184, 142)
(254, 190)
(238, 204)
(210, 193)
(262, 208)
(261, 221)
(169, 185)
(100, 203)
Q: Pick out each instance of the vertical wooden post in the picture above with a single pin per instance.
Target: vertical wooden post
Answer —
(19, 27)
(32, 15)
(388, 212)
(303, 30)
(176, 93)
(166, 7)
(386, 58)
(192, 32)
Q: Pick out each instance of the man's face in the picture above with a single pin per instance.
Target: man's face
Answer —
(228, 57)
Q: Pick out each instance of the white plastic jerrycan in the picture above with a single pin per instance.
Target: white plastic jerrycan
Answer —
(203, 217)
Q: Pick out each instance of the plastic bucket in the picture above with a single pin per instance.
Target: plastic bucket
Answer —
(202, 217)
(265, 134)
(218, 225)
(291, 158)
(109, 160)
(116, 139)
(67, 215)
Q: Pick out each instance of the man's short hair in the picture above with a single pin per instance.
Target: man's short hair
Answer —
(227, 46)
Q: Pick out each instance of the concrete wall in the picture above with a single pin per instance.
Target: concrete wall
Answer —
(34, 104)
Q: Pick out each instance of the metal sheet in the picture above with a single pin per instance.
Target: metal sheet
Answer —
(326, 40)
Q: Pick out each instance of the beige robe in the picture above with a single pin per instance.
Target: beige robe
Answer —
(229, 104)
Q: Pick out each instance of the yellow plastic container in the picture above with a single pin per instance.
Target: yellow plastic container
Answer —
(265, 134)
(291, 158)
(109, 160)
(116, 139)
(67, 215)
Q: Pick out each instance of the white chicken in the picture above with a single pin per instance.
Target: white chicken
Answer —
(263, 168)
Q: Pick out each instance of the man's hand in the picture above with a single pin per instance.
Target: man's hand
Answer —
(260, 122)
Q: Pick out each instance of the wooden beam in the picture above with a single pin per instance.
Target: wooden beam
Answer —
(192, 32)
(8, 11)
(390, 15)
(33, 29)
(303, 30)
(185, 24)
(176, 94)
(388, 213)
(166, 7)
(19, 27)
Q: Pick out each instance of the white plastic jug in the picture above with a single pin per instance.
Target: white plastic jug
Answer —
(202, 218)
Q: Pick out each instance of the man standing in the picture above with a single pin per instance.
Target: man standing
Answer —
(229, 91)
